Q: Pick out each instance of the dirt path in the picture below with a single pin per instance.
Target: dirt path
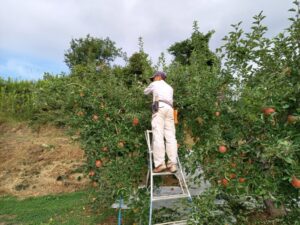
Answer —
(38, 163)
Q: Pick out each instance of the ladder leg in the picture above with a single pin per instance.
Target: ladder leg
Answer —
(149, 174)
(183, 179)
(148, 178)
(151, 199)
(180, 183)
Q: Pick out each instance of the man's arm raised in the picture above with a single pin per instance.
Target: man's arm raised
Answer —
(148, 90)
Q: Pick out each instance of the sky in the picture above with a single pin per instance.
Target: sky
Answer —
(35, 34)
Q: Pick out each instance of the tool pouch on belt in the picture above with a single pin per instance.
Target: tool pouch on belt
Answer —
(155, 106)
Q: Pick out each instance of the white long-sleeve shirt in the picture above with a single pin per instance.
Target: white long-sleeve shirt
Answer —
(160, 90)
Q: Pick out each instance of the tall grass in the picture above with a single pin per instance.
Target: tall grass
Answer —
(17, 98)
(44, 101)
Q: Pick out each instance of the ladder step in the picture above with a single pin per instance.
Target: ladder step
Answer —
(162, 173)
(167, 197)
(181, 222)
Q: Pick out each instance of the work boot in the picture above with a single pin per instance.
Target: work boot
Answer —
(160, 168)
(169, 164)
(172, 168)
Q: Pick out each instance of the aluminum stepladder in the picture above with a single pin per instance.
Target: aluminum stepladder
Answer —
(185, 193)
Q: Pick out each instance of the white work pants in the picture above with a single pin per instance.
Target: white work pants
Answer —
(163, 127)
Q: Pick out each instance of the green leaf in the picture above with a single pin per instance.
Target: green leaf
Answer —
(289, 160)
(286, 106)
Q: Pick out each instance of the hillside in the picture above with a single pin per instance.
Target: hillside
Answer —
(41, 162)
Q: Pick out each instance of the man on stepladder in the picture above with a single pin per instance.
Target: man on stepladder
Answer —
(163, 126)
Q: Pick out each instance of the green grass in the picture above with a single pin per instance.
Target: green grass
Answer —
(71, 208)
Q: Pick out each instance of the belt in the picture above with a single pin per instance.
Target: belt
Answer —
(167, 102)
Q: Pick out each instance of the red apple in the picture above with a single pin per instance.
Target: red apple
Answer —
(95, 117)
(242, 179)
(225, 182)
(80, 113)
(268, 111)
(91, 173)
(95, 184)
(232, 176)
(222, 149)
(104, 149)
(98, 163)
(295, 182)
(233, 165)
(135, 121)
(121, 144)
(292, 119)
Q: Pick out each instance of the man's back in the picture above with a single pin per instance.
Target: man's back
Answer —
(161, 90)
